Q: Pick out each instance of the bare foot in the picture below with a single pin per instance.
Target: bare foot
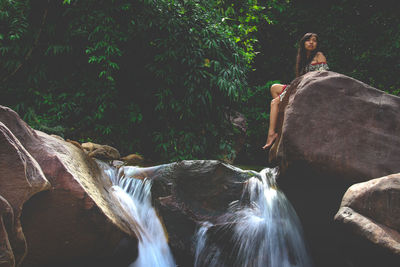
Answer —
(270, 140)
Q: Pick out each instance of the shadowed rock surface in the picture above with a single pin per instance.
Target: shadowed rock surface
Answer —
(336, 124)
(73, 222)
(20, 178)
(334, 131)
(372, 210)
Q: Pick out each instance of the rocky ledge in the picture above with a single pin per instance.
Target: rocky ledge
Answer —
(334, 132)
(54, 203)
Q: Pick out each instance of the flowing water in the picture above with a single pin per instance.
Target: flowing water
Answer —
(260, 230)
(134, 197)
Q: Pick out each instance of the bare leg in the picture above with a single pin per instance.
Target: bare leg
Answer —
(273, 116)
(275, 89)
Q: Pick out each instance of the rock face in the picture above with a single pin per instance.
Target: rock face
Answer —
(339, 125)
(21, 178)
(372, 210)
(55, 205)
(334, 131)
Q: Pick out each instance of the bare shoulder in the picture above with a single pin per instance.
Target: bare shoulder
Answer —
(320, 57)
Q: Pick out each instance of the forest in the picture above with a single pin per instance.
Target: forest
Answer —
(160, 78)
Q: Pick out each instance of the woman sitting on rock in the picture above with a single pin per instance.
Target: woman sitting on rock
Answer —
(308, 59)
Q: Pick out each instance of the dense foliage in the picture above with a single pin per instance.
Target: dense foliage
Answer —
(360, 38)
(146, 75)
(161, 77)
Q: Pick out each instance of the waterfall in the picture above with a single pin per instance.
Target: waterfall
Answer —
(134, 197)
(259, 230)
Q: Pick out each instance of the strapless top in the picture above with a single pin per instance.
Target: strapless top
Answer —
(316, 66)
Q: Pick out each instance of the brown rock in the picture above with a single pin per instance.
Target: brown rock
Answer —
(75, 222)
(20, 178)
(104, 152)
(75, 143)
(372, 210)
(58, 137)
(6, 233)
(133, 159)
(89, 146)
(334, 131)
(338, 125)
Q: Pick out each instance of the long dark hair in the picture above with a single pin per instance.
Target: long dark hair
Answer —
(302, 60)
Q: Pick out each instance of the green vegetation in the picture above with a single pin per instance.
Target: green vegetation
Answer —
(161, 77)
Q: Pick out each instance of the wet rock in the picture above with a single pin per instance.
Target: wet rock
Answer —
(133, 159)
(117, 163)
(188, 193)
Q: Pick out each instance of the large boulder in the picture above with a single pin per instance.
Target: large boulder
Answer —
(20, 178)
(334, 131)
(338, 125)
(371, 210)
(74, 221)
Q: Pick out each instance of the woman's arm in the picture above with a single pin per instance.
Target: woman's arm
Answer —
(320, 58)
(319, 63)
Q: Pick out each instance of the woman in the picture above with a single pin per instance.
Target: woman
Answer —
(308, 59)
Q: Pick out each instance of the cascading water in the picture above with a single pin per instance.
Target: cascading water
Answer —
(134, 197)
(260, 230)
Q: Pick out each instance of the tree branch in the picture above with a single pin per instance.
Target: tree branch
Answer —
(28, 55)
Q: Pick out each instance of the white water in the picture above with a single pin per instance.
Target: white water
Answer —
(261, 230)
(134, 196)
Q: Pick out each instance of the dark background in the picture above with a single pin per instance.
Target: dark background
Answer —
(160, 78)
